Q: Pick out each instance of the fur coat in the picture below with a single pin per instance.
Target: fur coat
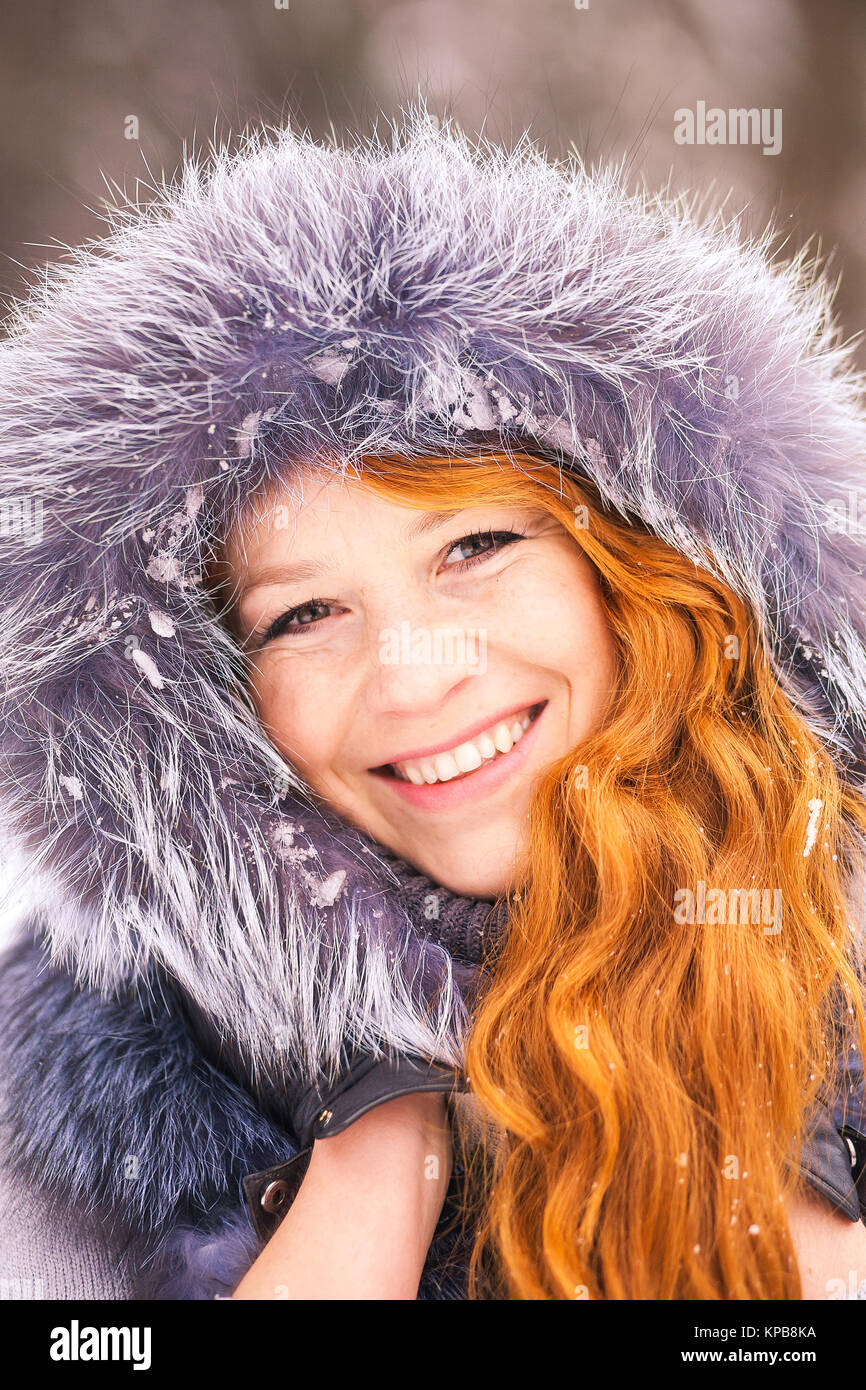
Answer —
(294, 299)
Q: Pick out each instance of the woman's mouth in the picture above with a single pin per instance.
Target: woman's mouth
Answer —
(472, 768)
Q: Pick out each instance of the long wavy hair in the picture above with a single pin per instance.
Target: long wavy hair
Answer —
(647, 1072)
(650, 1076)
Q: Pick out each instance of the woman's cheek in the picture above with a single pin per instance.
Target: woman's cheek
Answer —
(294, 708)
(274, 695)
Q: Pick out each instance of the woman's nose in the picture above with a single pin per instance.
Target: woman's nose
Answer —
(417, 659)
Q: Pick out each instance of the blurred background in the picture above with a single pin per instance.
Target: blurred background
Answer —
(96, 90)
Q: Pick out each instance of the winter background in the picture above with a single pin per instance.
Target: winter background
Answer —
(95, 93)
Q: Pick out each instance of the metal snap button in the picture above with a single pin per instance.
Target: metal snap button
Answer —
(273, 1198)
(326, 1117)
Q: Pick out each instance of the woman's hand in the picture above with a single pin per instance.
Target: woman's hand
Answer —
(361, 1224)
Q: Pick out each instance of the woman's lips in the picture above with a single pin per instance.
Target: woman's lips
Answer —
(436, 796)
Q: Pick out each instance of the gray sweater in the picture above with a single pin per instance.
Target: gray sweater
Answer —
(43, 1257)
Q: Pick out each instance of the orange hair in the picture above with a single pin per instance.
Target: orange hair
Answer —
(652, 1078)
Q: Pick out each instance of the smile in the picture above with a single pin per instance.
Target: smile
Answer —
(475, 766)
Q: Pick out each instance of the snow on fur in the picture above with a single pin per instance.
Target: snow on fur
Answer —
(294, 300)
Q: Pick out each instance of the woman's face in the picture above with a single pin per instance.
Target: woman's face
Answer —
(418, 677)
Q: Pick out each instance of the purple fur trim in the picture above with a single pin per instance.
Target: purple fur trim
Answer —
(200, 1264)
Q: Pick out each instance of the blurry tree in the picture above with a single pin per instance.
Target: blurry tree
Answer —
(79, 77)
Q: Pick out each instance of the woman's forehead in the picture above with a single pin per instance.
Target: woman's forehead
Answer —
(297, 508)
(282, 505)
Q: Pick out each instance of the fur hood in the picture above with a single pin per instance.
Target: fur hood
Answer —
(290, 299)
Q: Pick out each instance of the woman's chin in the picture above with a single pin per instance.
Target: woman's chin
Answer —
(471, 861)
(469, 870)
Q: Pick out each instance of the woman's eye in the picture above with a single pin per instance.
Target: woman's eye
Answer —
(295, 619)
(481, 545)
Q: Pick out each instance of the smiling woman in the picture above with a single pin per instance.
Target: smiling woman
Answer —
(439, 580)
(607, 752)
(412, 751)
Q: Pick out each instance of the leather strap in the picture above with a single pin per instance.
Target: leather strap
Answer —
(271, 1192)
(364, 1083)
(829, 1166)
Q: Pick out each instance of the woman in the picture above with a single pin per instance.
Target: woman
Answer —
(574, 608)
(638, 428)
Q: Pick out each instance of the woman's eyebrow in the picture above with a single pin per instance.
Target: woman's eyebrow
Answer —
(269, 575)
(428, 521)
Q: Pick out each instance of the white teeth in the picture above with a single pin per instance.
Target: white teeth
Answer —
(486, 746)
(466, 757)
(445, 766)
(502, 737)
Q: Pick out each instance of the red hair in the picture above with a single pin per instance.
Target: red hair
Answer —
(651, 1077)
